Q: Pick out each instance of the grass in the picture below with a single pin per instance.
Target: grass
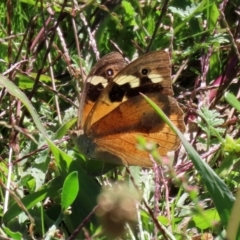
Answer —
(48, 189)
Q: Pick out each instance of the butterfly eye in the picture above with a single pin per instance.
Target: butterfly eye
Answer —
(109, 72)
(144, 71)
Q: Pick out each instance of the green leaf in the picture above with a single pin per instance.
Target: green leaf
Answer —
(206, 219)
(38, 174)
(227, 165)
(212, 15)
(98, 167)
(13, 235)
(215, 64)
(232, 100)
(27, 81)
(189, 13)
(64, 128)
(210, 122)
(230, 145)
(211, 117)
(70, 190)
(130, 13)
(32, 199)
(86, 198)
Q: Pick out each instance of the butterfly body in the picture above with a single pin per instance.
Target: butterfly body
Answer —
(120, 112)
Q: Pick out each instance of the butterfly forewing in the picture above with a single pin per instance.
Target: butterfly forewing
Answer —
(101, 74)
(148, 74)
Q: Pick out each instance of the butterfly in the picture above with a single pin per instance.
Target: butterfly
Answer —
(114, 112)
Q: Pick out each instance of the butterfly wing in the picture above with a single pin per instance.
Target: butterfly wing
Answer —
(148, 74)
(116, 132)
(101, 74)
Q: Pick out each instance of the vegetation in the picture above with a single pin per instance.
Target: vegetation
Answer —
(48, 189)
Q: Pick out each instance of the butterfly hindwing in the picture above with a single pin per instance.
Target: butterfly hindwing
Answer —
(117, 130)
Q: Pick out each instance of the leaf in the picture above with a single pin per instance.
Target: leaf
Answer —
(129, 13)
(70, 190)
(212, 117)
(25, 81)
(64, 128)
(230, 145)
(210, 122)
(38, 175)
(212, 15)
(31, 200)
(13, 235)
(189, 13)
(232, 100)
(206, 219)
(183, 14)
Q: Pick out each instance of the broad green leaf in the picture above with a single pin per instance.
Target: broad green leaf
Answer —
(86, 198)
(38, 174)
(129, 13)
(70, 190)
(206, 219)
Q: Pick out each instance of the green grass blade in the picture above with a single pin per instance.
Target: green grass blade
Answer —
(16, 92)
(218, 190)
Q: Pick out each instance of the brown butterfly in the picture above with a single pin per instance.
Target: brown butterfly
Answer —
(114, 112)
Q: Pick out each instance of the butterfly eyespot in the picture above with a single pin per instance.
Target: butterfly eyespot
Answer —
(109, 72)
(144, 71)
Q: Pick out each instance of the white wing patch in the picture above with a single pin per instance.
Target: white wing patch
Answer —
(156, 78)
(95, 80)
(135, 82)
(132, 80)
